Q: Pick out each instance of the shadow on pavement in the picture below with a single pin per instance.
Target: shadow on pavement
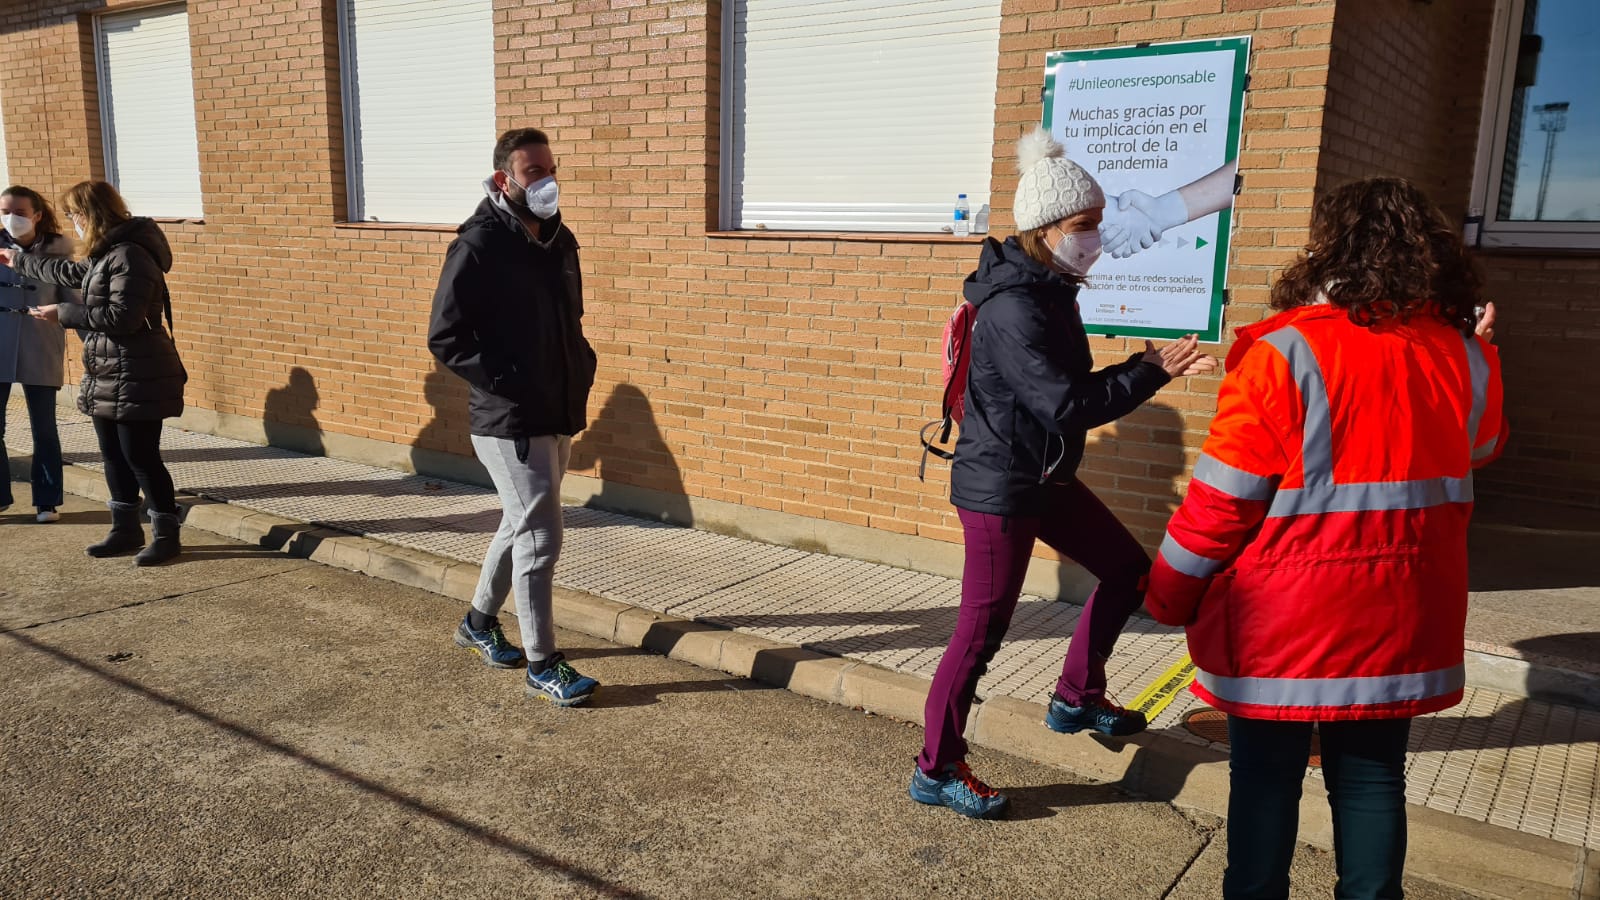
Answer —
(290, 415)
(624, 446)
(919, 629)
(25, 517)
(1046, 800)
(529, 854)
(1501, 560)
(382, 488)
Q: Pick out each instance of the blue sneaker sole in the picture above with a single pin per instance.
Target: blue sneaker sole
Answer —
(467, 645)
(534, 692)
(1069, 729)
(935, 800)
(1075, 728)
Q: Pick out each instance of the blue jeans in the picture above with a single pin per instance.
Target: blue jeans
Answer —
(46, 472)
(1364, 765)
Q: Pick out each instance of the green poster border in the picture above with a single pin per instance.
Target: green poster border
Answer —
(1241, 67)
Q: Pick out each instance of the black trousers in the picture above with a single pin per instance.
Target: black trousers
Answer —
(132, 455)
(1364, 765)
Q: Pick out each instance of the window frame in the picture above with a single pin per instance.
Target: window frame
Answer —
(1489, 169)
(104, 110)
(350, 114)
(724, 226)
(350, 111)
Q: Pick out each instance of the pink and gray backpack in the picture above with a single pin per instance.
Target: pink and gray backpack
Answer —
(957, 342)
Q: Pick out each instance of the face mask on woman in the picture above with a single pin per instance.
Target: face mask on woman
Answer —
(1077, 252)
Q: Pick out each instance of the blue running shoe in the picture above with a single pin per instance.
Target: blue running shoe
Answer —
(1097, 713)
(490, 644)
(560, 683)
(958, 789)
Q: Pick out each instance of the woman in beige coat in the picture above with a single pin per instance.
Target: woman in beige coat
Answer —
(32, 350)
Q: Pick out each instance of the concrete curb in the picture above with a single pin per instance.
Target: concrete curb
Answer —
(1475, 856)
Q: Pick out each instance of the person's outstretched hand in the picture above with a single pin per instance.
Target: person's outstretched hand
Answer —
(1181, 357)
(1485, 327)
(7, 255)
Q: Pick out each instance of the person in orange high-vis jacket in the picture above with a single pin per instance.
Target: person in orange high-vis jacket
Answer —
(1319, 560)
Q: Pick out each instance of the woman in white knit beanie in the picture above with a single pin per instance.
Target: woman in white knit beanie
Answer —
(1032, 396)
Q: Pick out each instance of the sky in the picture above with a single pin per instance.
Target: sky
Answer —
(1569, 71)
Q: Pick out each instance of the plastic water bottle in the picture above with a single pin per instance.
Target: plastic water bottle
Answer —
(962, 226)
(980, 224)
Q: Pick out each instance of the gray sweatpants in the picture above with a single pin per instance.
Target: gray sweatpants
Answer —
(522, 556)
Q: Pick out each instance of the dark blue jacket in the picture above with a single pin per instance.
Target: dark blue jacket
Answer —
(1032, 392)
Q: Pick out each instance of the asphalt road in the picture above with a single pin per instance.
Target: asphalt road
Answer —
(240, 724)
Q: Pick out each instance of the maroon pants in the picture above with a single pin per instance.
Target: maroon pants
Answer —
(1078, 526)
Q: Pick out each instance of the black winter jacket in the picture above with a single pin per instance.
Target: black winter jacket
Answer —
(507, 318)
(131, 368)
(1032, 394)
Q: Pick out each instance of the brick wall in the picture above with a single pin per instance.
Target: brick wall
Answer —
(1405, 93)
(785, 373)
(1405, 87)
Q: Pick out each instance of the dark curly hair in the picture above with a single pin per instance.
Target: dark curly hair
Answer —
(1383, 252)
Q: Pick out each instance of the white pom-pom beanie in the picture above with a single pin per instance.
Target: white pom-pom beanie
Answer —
(1052, 187)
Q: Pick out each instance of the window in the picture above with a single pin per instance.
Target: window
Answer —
(847, 116)
(1539, 156)
(147, 110)
(419, 106)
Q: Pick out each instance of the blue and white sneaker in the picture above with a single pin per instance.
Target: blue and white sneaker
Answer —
(958, 789)
(1096, 713)
(560, 683)
(490, 644)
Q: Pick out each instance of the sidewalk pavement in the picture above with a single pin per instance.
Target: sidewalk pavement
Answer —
(242, 723)
(870, 635)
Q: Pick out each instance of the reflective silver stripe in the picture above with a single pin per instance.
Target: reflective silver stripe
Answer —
(1334, 692)
(1479, 367)
(1233, 482)
(1487, 450)
(1192, 564)
(1321, 494)
(1370, 496)
(1317, 449)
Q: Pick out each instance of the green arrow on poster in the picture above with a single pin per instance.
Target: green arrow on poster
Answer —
(1158, 127)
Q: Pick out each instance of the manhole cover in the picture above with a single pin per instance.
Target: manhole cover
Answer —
(1212, 725)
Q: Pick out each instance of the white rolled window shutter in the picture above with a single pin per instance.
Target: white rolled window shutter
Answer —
(419, 107)
(856, 116)
(147, 111)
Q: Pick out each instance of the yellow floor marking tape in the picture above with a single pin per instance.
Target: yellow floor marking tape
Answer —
(1161, 692)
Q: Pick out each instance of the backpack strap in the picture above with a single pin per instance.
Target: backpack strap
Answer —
(928, 445)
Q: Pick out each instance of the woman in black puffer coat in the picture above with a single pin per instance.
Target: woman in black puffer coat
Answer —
(132, 376)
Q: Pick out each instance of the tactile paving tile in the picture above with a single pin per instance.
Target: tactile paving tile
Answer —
(1495, 758)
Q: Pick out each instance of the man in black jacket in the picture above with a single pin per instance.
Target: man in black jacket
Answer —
(507, 317)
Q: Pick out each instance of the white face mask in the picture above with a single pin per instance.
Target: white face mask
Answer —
(542, 198)
(17, 226)
(1077, 252)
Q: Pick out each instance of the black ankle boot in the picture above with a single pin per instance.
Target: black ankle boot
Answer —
(164, 545)
(126, 532)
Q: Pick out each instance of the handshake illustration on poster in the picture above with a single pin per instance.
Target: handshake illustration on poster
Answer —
(1135, 221)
